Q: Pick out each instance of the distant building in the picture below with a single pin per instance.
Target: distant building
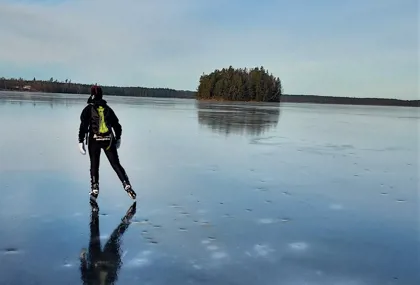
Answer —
(27, 87)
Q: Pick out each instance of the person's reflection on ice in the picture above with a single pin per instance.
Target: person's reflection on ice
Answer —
(99, 266)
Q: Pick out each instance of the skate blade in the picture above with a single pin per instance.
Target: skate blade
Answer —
(132, 194)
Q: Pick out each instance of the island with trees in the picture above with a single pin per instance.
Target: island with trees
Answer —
(229, 84)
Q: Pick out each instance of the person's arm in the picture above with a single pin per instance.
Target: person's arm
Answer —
(115, 124)
(84, 124)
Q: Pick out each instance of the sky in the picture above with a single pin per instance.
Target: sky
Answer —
(356, 48)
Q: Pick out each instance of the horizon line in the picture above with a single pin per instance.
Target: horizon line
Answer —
(184, 90)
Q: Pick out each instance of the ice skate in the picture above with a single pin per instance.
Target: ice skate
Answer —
(129, 190)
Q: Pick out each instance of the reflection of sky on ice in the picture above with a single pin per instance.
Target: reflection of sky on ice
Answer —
(318, 199)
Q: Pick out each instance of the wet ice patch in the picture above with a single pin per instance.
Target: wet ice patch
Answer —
(298, 246)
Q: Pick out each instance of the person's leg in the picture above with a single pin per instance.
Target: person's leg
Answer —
(112, 155)
(94, 154)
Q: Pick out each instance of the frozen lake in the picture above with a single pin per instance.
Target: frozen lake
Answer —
(232, 194)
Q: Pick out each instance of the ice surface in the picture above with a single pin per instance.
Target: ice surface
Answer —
(227, 194)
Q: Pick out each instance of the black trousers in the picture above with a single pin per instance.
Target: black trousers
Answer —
(94, 148)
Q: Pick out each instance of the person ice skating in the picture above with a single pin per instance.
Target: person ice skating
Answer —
(97, 121)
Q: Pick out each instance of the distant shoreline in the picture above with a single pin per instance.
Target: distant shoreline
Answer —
(349, 100)
(316, 99)
(285, 98)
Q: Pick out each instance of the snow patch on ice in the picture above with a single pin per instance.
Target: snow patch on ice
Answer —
(267, 221)
(141, 260)
(300, 246)
(263, 249)
(219, 255)
(260, 250)
(336, 207)
(212, 247)
(195, 265)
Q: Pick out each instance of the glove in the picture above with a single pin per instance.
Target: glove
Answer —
(82, 148)
(118, 143)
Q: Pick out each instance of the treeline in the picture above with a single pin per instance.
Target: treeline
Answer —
(348, 100)
(55, 86)
(228, 84)
(239, 85)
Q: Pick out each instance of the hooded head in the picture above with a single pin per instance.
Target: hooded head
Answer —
(96, 92)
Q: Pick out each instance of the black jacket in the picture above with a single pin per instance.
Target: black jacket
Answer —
(86, 119)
